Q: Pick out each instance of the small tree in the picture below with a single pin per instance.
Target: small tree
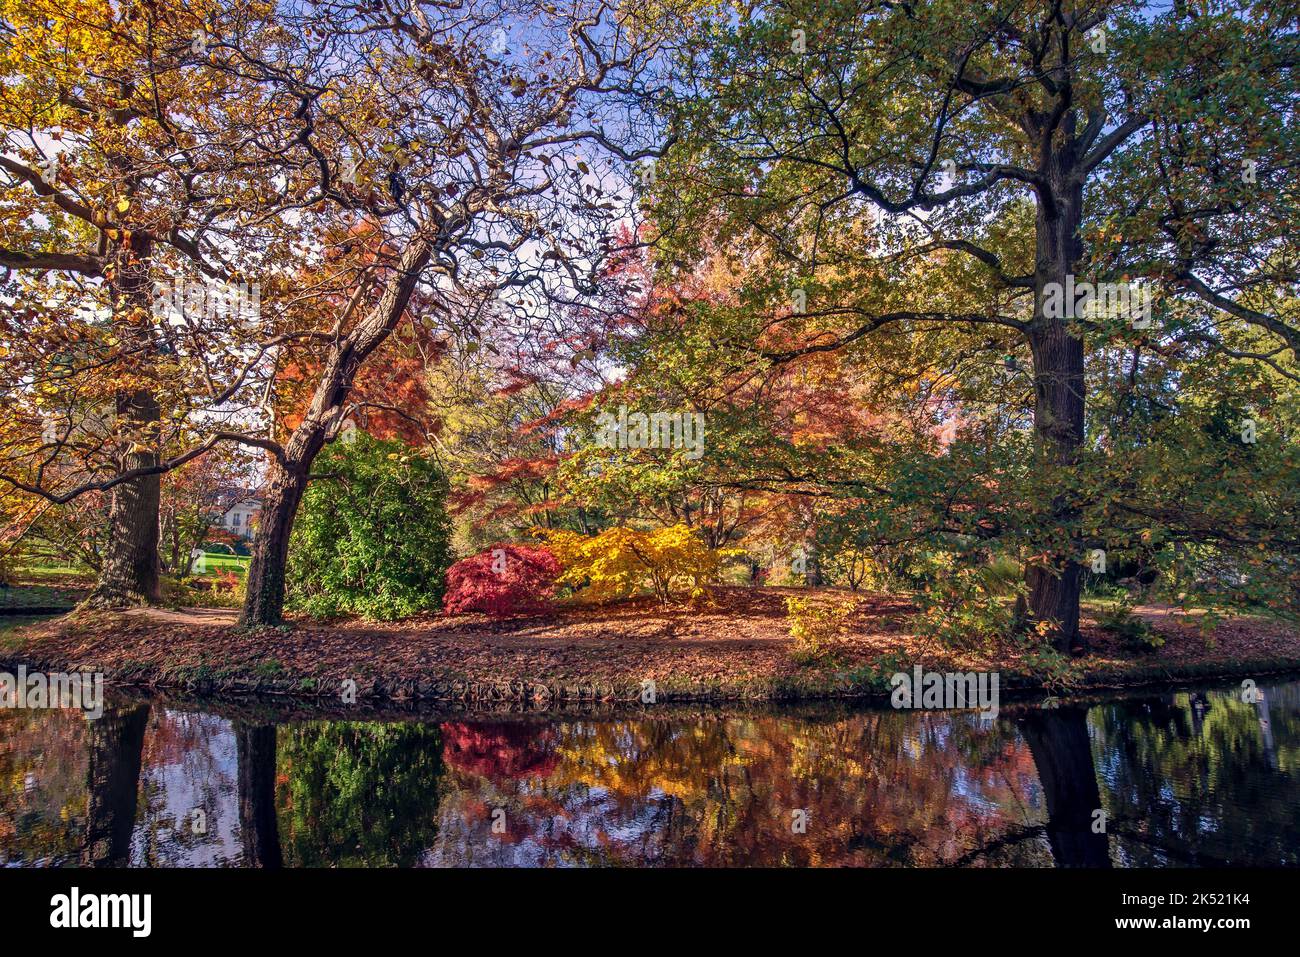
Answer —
(817, 624)
(373, 535)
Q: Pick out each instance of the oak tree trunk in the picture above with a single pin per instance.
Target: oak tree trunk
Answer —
(130, 571)
(113, 784)
(1057, 349)
(1062, 751)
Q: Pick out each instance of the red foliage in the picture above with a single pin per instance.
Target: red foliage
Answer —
(222, 535)
(502, 580)
(225, 581)
(499, 752)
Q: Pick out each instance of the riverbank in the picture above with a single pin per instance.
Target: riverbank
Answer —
(736, 648)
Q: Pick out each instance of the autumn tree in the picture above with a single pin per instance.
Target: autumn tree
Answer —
(773, 437)
(922, 169)
(127, 167)
(463, 142)
(475, 159)
(506, 407)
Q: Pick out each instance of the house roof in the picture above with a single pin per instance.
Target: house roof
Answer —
(227, 497)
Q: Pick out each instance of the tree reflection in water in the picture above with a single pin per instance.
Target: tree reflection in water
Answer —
(1076, 821)
(1188, 778)
(112, 784)
(258, 829)
(358, 793)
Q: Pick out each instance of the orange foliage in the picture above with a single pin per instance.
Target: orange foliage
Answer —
(391, 392)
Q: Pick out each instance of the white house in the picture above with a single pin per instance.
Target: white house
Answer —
(240, 518)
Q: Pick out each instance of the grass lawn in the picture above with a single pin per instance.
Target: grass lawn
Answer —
(52, 573)
(59, 574)
(34, 596)
(220, 562)
(44, 588)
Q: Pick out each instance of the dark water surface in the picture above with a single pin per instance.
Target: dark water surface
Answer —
(1188, 778)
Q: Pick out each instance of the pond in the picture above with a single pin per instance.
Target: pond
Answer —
(1194, 777)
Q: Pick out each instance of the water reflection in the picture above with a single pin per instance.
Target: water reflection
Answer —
(1189, 778)
(116, 747)
(1062, 751)
(259, 832)
(358, 793)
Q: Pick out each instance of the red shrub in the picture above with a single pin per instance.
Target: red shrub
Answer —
(502, 580)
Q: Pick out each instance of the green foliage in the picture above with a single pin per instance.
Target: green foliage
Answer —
(359, 793)
(373, 538)
(875, 569)
(775, 184)
(964, 600)
(1057, 671)
(876, 674)
(1135, 632)
(1002, 577)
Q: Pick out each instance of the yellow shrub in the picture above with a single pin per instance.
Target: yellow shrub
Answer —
(816, 624)
(619, 562)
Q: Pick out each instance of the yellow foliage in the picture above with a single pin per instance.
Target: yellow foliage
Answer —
(620, 562)
(814, 623)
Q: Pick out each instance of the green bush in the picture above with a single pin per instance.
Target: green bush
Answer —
(964, 599)
(372, 535)
(1135, 633)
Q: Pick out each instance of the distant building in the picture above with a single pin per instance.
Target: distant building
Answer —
(234, 509)
(240, 518)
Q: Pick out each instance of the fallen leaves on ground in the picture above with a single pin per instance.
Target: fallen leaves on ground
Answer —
(738, 638)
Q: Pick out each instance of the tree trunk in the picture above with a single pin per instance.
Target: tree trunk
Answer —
(264, 598)
(130, 571)
(812, 569)
(1058, 740)
(1057, 348)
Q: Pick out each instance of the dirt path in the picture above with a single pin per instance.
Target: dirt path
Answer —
(187, 617)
